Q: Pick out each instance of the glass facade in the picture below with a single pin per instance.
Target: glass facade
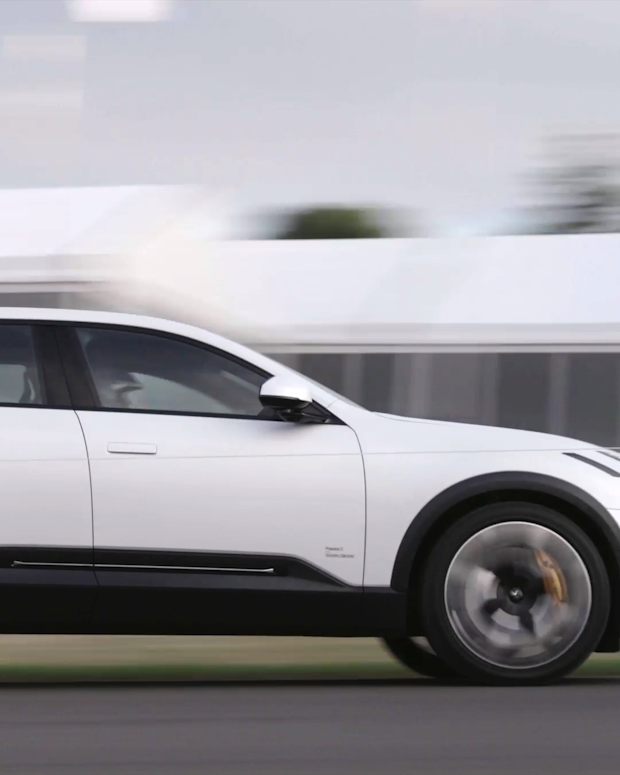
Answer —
(571, 394)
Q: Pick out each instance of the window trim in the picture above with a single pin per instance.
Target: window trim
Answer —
(49, 367)
(84, 394)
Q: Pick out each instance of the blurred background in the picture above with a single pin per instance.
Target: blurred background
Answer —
(413, 201)
(416, 202)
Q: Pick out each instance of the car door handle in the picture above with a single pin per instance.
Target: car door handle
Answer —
(124, 448)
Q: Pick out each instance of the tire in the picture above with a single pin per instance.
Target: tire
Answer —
(418, 657)
(535, 608)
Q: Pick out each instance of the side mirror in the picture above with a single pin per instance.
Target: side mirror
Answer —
(285, 395)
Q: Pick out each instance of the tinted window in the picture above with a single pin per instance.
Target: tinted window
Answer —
(132, 370)
(20, 379)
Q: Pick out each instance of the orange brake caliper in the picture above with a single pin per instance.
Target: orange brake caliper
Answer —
(553, 578)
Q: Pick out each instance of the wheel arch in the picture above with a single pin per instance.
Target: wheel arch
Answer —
(459, 499)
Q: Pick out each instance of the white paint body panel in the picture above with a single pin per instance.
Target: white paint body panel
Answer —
(216, 484)
(44, 479)
(408, 462)
(226, 485)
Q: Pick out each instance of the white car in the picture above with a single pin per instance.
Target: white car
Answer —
(157, 478)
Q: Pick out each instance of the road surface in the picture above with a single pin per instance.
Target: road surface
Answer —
(356, 727)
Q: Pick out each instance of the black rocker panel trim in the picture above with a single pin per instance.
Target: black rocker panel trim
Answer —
(156, 602)
(46, 589)
(215, 562)
(151, 592)
(74, 590)
(45, 555)
(179, 603)
(384, 613)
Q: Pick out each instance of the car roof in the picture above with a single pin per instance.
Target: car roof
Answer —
(128, 320)
(85, 316)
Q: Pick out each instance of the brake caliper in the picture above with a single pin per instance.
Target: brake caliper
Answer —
(552, 576)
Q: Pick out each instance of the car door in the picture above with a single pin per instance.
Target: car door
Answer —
(210, 514)
(46, 549)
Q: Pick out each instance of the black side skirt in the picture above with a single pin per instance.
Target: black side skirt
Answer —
(46, 590)
(56, 590)
(217, 594)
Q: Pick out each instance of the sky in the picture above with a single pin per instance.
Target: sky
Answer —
(439, 108)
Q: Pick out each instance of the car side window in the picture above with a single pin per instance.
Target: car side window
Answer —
(151, 373)
(20, 376)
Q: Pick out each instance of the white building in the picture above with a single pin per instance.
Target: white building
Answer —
(521, 331)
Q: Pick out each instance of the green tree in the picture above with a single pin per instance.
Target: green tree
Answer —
(333, 223)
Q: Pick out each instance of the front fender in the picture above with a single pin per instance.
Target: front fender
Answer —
(400, 488)
(594, 518)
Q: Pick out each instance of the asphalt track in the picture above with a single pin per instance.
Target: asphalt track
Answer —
(377, 727)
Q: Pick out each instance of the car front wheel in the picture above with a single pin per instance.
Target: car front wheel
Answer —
(514, 593)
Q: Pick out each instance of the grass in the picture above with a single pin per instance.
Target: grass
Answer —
(101, 658)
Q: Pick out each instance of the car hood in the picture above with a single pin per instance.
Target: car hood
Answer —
(407, 434)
